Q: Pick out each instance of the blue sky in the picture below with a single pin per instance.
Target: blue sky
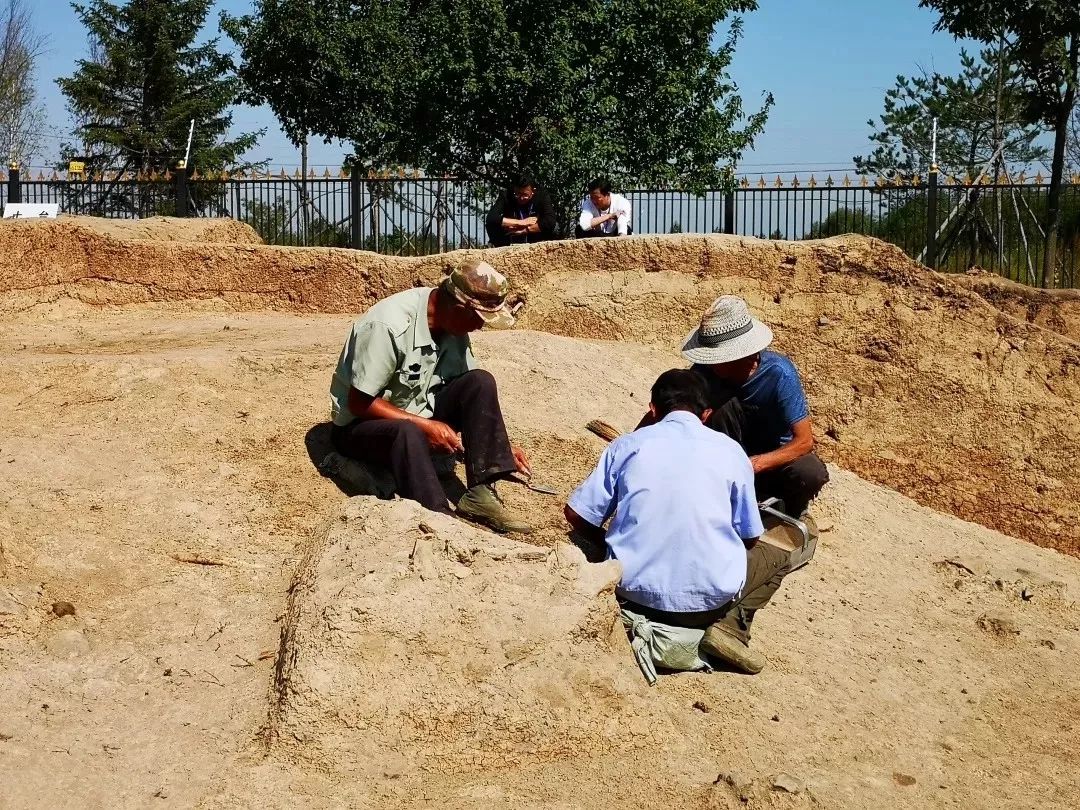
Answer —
(827, 62)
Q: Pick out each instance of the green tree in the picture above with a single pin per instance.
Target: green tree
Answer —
(632, 89)
(978, 111)
(1043, 37)
(146, 81)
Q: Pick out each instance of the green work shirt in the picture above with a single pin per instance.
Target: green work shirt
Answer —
(391, 354)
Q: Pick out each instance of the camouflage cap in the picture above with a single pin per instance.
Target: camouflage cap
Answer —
(483, 288)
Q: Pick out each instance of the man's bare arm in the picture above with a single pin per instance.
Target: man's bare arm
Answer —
(595, 534)
(439, 434)
(802, 442)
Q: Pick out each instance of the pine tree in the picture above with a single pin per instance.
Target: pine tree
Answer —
(146, 80)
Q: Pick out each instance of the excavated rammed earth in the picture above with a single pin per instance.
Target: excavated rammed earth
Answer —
(959, 392)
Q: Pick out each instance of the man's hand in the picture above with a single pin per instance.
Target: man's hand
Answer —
(441, 436)
(521, 460)
(759, 464)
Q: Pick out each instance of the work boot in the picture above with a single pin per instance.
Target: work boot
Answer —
(482, 504)
(723, 646)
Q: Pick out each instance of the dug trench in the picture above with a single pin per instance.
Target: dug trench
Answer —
(244, 635)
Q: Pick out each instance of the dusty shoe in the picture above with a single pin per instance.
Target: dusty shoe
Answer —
(723, 646)
(480, 503)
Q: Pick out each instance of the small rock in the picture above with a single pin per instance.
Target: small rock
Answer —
(702, 706)
(963, 691)
(823, 321)
(775, 718)
(903, 779)
(786, 783)
(423, 560)
(825, 524)
(63, 609)
(1027, 594)
(69, 643)
(1045, 642)
(162, 792)
(999, 624)
(532, 556)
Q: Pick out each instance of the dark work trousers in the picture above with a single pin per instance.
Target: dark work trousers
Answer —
(596, 233)
(766, 567)
(470, 405)
(796, 483)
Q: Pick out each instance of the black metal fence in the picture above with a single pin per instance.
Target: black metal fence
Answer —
(954, 224)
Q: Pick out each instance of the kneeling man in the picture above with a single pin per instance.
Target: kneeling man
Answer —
(684, 522)
(407, 384)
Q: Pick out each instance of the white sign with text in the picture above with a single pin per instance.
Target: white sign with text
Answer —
(31, 210)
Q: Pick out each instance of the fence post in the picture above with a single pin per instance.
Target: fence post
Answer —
(356, 205)
(932, 218)
(14, 189)
(440, 216)
(729, 211)
(180, 189)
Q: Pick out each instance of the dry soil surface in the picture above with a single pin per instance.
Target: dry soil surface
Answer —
(243, 634)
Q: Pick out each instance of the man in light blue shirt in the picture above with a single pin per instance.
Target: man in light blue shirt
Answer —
(683, 513)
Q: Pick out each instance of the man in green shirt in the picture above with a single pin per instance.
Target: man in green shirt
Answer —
(406, 384)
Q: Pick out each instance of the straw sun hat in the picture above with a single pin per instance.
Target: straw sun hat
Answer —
(727, 332)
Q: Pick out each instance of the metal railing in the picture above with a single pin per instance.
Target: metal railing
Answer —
(949, 223)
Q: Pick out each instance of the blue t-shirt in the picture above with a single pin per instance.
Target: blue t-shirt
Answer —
(773, 399)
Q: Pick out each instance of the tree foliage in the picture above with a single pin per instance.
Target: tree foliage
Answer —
(633, 89)
(146, 80)
(1043, 37)
(977, 110)
(22, 115)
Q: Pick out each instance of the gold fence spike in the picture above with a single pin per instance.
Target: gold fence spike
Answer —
(847, 182)
(194, 175)
(812, 182)
(326, 173)
(864, 182)
(1075, 179)
(795, 182)
(744, 183)
(761, 182)
(829, 182)
(168, 176)
(1039, 179)
(55, 176)
(1021, 178)
(297, 175)
(778, 182)
(878, 181)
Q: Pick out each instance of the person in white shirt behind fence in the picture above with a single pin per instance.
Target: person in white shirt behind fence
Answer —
(604, 213)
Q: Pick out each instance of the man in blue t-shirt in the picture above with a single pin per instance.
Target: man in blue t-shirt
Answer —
(758, 400)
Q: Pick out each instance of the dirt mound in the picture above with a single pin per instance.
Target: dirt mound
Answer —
(949, 390)
(148, 229)
(501, 657)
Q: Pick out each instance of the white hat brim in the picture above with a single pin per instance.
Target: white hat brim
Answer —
(757, 339)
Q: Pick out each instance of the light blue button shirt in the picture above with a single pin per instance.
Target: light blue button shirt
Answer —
(681, 501)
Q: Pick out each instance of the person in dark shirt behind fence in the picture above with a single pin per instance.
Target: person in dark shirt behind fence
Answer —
(522, 213)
